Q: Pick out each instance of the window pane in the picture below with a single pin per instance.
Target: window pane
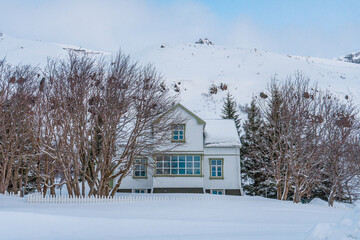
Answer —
(173, 158)
(218, 162)
(213, 168)
(197, 158)
(159, 164)
(213, 174)
(166, 158)
(159, 171)
(214, 192)
(189, 158)
(143, 173)
(137, 173)
(182, 165)
(182, 171)
(189, 164)
(181, 137)
(159, 158)
(197, 171)
(220, 192)
(213, 162)
(174, 171)
(219, 174)
(166, 171)
(182, 158)
(174, 164)
(189, 171)
(197, 164)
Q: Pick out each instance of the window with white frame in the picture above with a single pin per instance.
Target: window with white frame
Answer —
(140, 168)
(217, 192)
(139, 190)
(178, 134)
(216, 168)
(178, 165)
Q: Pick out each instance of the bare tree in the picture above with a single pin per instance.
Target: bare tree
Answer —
(308, 139)
(133, 98)
(341, 163)
(95, 118)
(16, 103)
(302, 133)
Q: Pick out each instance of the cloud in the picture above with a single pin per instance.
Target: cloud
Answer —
(107, 24)
(134, 24)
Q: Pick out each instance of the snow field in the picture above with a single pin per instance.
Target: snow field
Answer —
(245, 218)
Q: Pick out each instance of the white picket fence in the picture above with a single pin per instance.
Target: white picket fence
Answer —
(38, 198)
(11, 194)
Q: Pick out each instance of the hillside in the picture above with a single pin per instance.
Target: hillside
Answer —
(194, 68)
(245, 72)
(17, 50)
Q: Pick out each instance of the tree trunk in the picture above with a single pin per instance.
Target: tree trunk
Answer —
(297, 197)
(332, 196)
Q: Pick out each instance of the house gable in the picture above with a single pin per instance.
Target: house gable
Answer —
(199, 120)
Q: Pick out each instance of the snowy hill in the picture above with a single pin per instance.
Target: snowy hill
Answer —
(197, 68)
(244, 72)
(24, 51)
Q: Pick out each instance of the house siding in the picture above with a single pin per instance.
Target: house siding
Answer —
(193, 145)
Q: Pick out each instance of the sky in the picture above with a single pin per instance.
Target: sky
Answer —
(320, 28)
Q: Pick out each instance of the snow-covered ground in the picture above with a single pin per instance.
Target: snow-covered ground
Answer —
(346, 228)
(246, 218)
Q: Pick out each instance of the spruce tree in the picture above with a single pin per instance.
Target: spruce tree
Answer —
(229, 111)
(255, 181)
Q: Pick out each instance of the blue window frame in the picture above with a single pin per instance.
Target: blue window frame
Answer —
(140, 168)
(178, 134)
(140, 191)
(178, 165)
(216, 168)
(217, 192)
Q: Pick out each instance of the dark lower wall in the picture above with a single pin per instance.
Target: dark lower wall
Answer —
(124, 190)
(228, 192)
(178, 190)
(232, 192)
(184, 190)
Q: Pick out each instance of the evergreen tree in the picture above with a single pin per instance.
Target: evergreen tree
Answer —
(229, 110)
(274, 145)
(255, 181)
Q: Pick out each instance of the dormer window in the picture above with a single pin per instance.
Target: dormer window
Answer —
(178, 134)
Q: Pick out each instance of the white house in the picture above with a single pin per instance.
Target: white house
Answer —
(205, 159)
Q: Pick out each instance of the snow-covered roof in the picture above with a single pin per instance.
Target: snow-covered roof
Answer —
(221, 133)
